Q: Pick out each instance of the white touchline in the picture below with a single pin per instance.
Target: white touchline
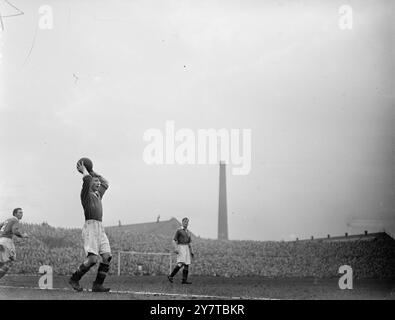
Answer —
(148, 293)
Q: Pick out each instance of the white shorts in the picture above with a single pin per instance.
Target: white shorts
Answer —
(184, 254)
(7, 250)
(95, 238)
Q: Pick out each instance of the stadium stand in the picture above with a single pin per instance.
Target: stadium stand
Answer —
(166, 228)
(370, 256)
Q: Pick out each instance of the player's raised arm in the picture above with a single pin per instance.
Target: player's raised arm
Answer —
(87, 179)
(103, 183)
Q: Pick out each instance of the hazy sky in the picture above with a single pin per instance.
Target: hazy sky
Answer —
(318, 99)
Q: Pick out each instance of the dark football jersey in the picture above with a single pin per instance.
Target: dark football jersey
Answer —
(91, 201)
(8, 227)
(182, 236)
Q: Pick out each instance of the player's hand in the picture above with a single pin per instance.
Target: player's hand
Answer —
(25, 236)
(81, 168)
(192, 255)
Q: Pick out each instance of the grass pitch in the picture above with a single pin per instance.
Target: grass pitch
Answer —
(203, 288)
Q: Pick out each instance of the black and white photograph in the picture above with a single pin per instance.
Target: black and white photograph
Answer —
(172, 151)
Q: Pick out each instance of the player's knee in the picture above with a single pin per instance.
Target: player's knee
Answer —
(107, 258)
(180, 264)
(91, 260)
(186, 267)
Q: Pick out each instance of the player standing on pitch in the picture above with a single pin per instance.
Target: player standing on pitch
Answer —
(95, 239)
(183, 248)
(8, 229)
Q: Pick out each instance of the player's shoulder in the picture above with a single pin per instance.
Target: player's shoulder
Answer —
(10, 222)
(12, 219)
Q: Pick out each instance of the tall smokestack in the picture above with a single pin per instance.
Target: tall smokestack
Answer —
(222, 205)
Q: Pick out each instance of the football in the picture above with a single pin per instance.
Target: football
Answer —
(87, 163)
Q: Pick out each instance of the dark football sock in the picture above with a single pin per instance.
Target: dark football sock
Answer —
(101, 273)
(185, 273)
(175, 270)
(3, 270)
(82, 269)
